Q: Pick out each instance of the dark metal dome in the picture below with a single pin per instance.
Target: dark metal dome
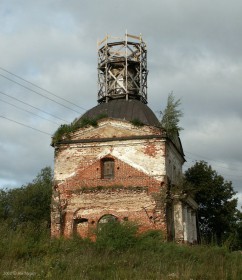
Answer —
(128, 110)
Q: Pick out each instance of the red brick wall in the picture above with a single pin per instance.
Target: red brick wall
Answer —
(125, 204)
(135, 193)
(124, 175)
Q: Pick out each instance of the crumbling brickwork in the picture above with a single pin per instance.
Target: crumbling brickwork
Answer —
(137, 191)
(118, 163)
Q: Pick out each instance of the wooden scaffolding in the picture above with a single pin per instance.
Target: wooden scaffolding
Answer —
(122, 68)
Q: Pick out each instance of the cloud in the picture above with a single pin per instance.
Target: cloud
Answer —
(194, 50)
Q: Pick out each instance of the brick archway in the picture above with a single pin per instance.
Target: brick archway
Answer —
(107, 218)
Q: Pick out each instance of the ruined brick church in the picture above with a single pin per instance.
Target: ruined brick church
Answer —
(117, 162)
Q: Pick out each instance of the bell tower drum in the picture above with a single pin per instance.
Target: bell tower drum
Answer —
(122, 68)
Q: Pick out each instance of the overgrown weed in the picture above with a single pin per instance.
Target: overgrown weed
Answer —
(118, 253)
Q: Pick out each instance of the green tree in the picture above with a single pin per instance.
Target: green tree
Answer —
(238, 235)
(171, 115)
(215, 197)
(30, 203)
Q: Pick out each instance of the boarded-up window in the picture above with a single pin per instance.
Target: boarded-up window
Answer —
(107, 168)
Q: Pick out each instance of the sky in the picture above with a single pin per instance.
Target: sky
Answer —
(48, 75)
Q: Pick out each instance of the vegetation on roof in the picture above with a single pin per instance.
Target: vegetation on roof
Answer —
(137, 122)
(65, 130)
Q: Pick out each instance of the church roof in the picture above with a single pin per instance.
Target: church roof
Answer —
(128, 110)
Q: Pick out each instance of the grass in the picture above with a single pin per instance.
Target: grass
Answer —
(119, 253)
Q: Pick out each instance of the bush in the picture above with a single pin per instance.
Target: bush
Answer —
(116, 236)
(150, 240)
(25, 241)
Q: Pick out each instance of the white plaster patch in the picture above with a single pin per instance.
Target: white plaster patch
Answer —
(135, 157)
(71, 175)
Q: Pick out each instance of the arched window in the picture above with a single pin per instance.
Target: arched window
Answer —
(106, 221)
(107, 168)
(108, 218)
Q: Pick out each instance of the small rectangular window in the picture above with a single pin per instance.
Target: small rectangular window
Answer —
(107, 168)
